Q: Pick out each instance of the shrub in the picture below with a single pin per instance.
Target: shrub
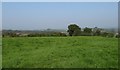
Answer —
(118, 36)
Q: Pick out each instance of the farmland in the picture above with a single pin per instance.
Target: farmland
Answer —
(60, 52)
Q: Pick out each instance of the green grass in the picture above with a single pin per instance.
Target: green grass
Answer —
(60, 52)
(0, 52)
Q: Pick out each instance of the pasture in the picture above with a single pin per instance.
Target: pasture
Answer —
(60, 52)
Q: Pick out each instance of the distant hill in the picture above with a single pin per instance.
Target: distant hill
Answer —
(34, 31)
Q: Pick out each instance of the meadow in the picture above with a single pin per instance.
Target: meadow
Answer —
(60, 52)
(0, 52)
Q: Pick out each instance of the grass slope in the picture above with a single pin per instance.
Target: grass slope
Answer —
(60, 52)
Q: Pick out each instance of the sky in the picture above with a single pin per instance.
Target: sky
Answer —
(0, 16)
(60, 0)
(58, 15)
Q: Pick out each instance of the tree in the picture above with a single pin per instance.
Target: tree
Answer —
(74, 29)
(77, 33)
(96, 31)
(87, 30)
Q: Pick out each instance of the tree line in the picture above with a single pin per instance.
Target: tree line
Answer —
(54, 34)
(73, 30)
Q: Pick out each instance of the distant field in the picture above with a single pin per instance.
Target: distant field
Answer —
(60, 52)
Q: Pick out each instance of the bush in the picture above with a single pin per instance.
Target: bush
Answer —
(110, 35)
(86, 34)
(106, 34)
(118, 36)
(54, 34)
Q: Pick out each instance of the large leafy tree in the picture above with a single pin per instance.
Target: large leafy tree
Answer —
(74, 29)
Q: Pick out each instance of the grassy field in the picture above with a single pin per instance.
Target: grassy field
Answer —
(0, 52)
(60, 52)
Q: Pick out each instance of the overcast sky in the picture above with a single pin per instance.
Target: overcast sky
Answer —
(58, 15)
